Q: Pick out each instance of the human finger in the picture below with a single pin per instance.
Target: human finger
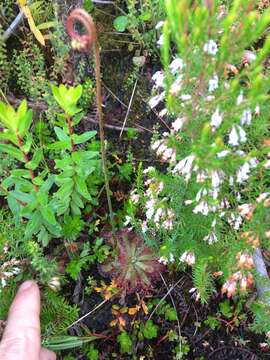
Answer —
(46, 354)
(21, 338)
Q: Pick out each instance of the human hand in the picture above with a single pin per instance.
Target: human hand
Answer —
(21, 338)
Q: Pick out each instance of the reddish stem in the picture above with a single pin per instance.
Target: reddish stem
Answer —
(27, 160)
(71, 131)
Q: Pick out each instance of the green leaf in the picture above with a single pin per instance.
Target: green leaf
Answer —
(8, 117)
(171, 314)
(47, 184)
(26, 211)
(60, 145)
(43, 236)
(11, 150)
(77, 118)
(58, 343)
(38, 181)
(120, 23)
(150, 330)
(65, 189)
(25, 122)
(62, 136)
(79, 139)
(75, 209)
(88, 5)
(48, 214)
(8, 135)
(145, 16)
(42, 197)
(76, 198)
(82, 187)
(34, 163)
(14, 207)
(125, 343)
(21, 196)
(67, 98)
(21, 173)
(33, 225)
(64, 164)
(79, 156)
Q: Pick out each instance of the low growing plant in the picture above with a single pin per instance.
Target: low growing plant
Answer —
(133, 266)
(47, 202)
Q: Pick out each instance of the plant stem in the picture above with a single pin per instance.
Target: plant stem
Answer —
(31, 172)
(262, 284)
(101, 128)
(70, 130)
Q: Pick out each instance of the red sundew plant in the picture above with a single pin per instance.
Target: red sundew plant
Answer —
(134, 267)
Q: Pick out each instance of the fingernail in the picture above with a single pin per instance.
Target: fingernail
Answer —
(25, 286)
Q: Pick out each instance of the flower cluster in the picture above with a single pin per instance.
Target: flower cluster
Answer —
(242, 277)
(244, 281)
(9, 269)
(162, 150)
(213, 106)
(157, 210)
(188, 257)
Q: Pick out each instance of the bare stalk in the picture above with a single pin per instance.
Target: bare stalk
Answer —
(84, 43)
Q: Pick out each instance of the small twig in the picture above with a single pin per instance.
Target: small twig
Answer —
(4, 96)
(89, 313)
(105, 2)
(129, 106)
(114, 95)
(163, 298)
(262, 288)
(178, 323)
(11, 29)
(42, 106)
